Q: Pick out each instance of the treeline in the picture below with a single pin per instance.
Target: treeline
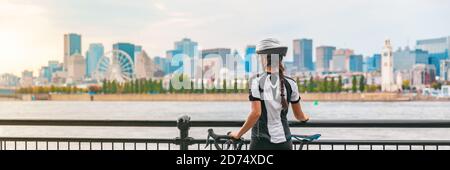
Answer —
(139, 86)
(149, 86)
(224, 87)
(336, 85)
(51, 89)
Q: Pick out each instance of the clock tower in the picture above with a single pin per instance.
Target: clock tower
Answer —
(387, 68)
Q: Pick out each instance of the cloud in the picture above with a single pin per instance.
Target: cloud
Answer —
(38, 26)
(25, 40)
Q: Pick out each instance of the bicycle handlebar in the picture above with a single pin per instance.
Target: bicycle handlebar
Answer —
(237, 143)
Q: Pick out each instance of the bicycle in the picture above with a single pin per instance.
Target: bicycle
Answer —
(305, 139)
(226, 139)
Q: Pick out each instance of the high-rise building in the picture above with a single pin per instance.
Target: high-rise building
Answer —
(437, 48)
(175, 57)
(76, 69)
(187, 47)
(303, 54)
(214, 60)
(405, 59)
(175, 60)
(162, 66)
(128, 48)
(54, 67)
(445, 70)
(27, 79)
(222, 53)
(356, 63)
(324, 54)
(44, 75)
(144, 66)
(9, 80)
(250, 59)
(423, 75)
(340, 61)
(374, 63)
(72, 46)
(387, 69)
(93, 56)
(137, 49)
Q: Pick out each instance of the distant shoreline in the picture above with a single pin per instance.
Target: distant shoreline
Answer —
(330, 97)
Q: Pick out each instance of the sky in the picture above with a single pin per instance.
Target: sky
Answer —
(31, 32)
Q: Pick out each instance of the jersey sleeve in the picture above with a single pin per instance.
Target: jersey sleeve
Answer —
(254, 94)
(295, 96)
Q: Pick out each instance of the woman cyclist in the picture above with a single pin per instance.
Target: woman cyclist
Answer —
(270, 95)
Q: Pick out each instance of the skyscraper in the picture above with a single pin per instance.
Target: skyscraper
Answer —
(27, 78)
(128, 48)
(93, 56)
(445, 70)
(44, 75)
(387, 68)
(223, 53)
(187, 46)
(437, 48)
(9, 80)
(76, 69)
(250, 58)
(72, 46)
(144, 66)
(340, 61)
(176, 57)
(356, 63)
(423, 75)
(405, 59)
(374, 63)
(162, 66)
(324, 55)
(303, 54)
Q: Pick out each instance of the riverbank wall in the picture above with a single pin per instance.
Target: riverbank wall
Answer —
(233, 97)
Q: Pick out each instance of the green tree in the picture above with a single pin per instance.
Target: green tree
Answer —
(236, 86)
(311, 85)
(114, 87)
(339, 84)
(325, 85)
(354, 84)
(160, 88)
(137, 87)
(436, 85)
(362, 83)
(171, 90)
(224, 86)
(104, 86)
(303, 87)
(405, 85)
(52, 88)
(192, 90)
(332, 85)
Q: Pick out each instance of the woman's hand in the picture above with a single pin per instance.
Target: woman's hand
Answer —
(234, 135)
(305, 119)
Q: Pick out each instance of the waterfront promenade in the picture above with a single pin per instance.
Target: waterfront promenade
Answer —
(229, 97)
(186, 142)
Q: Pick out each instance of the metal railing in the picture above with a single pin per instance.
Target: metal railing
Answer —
(185, 142)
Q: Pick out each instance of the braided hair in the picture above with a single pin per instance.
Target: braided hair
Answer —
(271, 46)
(281, 69)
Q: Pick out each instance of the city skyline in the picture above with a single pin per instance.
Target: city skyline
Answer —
(37, 26)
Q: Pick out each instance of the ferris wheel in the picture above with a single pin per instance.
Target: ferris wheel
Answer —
(115, 65)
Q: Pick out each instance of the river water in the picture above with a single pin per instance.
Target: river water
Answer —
(216, 111)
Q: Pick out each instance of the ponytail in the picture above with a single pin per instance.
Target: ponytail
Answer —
(284, 102)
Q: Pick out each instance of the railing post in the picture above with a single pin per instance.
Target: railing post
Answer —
(184, 125)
